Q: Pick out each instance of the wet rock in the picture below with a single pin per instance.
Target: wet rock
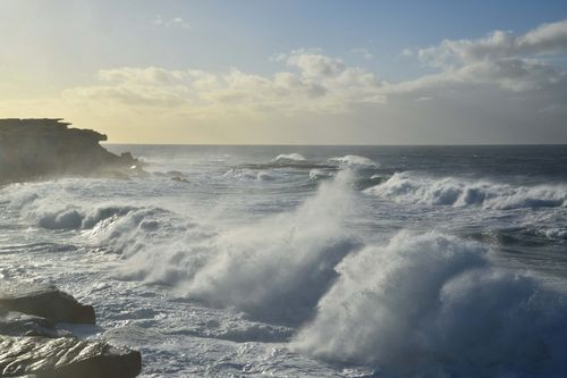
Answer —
(18, 324)
(45, 301)
(66, 358)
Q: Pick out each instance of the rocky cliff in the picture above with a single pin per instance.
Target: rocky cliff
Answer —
(35, 149)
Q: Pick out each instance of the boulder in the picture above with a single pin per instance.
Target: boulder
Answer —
(66, 358)
(45, 301)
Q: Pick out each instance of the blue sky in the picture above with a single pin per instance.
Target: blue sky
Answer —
(54, 51)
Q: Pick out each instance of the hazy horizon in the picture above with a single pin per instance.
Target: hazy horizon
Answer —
(334, 145)
(290, 73)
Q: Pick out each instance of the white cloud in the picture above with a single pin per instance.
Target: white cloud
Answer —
(500, 88)
(176, 22)
(501, 60)
(407, 53)
(316, 65)
(316, 83)
(365, 53)
(545, 39)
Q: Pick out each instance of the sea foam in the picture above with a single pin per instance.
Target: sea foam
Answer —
(407, 187)
(354, 162)
(287, 157)
(277, 269)
(431, 301)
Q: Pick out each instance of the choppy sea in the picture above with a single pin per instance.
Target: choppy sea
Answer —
(286, 261)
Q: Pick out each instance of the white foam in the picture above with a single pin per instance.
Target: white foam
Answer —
(431, 301)
(406, 187)
(422, 301)
(354, 161)
(245, 174)
(555, 233)
(316, 174)
(274, 269)
(287, 157)
(278, 268)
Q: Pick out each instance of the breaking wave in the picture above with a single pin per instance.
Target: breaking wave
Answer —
(354, 161)
(275, 269)
(250, 174)
(423, 302)
(118, 228)
(406, 187)
(288, 157)
(317, 174)
(429, 302)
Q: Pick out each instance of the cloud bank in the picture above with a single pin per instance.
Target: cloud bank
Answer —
(501, 88)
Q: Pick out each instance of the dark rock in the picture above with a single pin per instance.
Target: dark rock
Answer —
(32, 149)
(17, 324)
(45, 301)
(66, 358)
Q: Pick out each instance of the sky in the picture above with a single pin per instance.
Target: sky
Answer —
(290, 71)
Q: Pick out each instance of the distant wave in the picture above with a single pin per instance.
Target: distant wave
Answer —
(298, 161)
(556, 233)
(316, 174)
(407, 187)
(293, 160)
(354, 161)
(429, 302)
(287, 157)
(250, 174)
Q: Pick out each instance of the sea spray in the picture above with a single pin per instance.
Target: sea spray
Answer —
(463, 318)
(275, 269)
(431, 301)
(278, 269)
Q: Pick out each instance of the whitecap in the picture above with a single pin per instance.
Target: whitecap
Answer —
(457, 192)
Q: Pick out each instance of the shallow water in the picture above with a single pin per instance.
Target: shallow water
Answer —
(311, 261)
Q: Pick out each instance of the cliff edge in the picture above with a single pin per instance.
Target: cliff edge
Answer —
(35, 149)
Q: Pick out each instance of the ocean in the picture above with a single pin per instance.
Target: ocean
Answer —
(311, 261)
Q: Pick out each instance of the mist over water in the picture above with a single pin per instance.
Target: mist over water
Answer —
(314, 261)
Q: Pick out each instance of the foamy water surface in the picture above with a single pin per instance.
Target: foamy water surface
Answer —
(311, 261)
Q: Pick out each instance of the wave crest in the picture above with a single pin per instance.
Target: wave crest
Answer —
(287, 157)
(433, 301)
(354, 161)
(405, 187)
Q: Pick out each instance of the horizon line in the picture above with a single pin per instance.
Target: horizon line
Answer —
(335, 145)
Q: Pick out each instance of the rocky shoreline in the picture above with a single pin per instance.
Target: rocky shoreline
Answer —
(38, 149)
(32, 344)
